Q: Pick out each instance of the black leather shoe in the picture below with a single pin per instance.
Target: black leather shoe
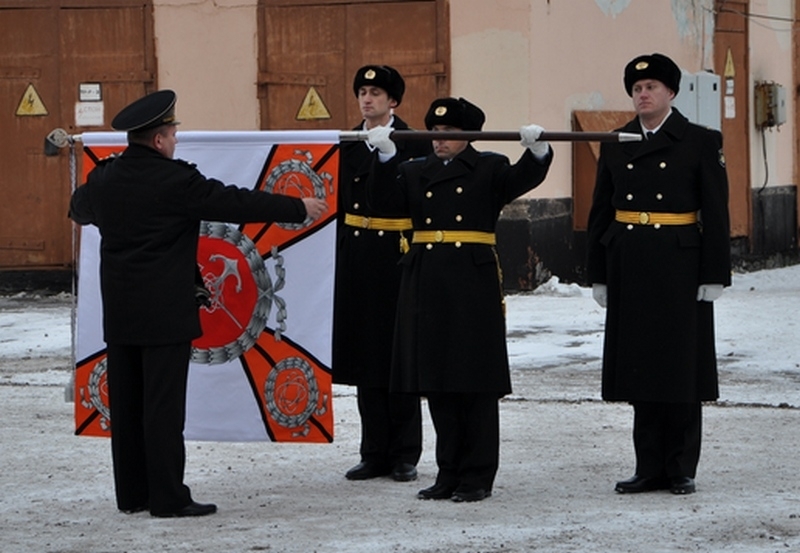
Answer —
(682, 485)
(437, 491)
(193, 509)
(366, 470)
(134, 510)
(639, 484)
(465, 496)
(404, 472)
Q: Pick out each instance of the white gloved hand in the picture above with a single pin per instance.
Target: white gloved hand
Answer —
(529, 137)
(378, 137)
(709, 292)
(600, 294)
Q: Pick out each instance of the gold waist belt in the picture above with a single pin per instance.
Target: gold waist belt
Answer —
(656, 218)
(376, 223)
(453, 236)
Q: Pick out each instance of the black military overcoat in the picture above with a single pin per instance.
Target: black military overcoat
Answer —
(659, 340)
(450, 326)
(367, 274)
(148, 209)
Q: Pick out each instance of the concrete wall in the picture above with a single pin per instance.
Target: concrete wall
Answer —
(536, 61)
(207, 51)
(771, 52)
(522, 61)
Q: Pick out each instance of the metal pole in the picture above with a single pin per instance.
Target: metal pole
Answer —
(351, 136)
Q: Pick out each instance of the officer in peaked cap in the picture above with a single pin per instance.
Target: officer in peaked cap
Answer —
(455, 112)
(367, 281)
(381, 76)
(148, 208)
(450, 343)
(657, 270)
(148, 112)
(653, 66)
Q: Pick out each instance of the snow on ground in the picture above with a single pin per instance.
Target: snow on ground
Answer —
(562, 450)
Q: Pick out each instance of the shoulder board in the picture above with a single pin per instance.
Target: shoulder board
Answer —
(107, 159)
(185, 163)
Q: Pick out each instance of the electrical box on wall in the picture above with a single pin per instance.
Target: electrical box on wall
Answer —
(699, 98)
(770, 99)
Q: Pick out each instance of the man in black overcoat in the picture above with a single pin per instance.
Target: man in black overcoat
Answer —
(367, 283)
(450, 341)
(659, 255)
(148, 207)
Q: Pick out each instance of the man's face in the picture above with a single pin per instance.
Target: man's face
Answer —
(165, 140)
(375, 103)
(651, 98)
(448, 149)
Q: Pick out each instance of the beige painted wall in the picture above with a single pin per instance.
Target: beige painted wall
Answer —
(771, 60)
(535, 61)
(207, 52)
(522, 61)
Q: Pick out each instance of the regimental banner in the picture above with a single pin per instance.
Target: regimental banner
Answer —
(261, 369)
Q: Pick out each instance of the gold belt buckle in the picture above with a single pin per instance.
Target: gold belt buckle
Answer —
(365, 222)
(438, 236)
(644, 217)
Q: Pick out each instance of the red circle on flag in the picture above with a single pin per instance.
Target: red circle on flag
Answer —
(234, 292)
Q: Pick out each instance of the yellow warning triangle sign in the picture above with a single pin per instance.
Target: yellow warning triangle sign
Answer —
(729, 69)
(312, 107)
(31, 104)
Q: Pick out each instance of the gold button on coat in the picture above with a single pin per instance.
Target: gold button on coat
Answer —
(356, 206)
(630, 166)
(428, 194)
(629, 197)
(459, 218)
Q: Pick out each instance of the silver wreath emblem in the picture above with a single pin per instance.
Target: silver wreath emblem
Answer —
(292, 175)
(266, 293)
(292, 402)
(92, 394)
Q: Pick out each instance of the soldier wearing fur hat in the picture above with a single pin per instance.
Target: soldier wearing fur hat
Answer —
(367, 283)
(450, 342)
(659, 255)
(148, 207)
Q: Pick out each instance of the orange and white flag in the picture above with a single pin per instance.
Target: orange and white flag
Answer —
(261, 369)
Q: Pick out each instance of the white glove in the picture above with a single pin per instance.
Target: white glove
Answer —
(378, 137)
(600, 294)
(529, 137)
(709, 292)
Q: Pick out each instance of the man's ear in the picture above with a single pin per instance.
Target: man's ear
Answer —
(392, 103)
(157, 141)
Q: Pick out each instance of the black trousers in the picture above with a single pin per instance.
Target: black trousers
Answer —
(147, 398)
(467, 439)
(666, 437)
(391, 427)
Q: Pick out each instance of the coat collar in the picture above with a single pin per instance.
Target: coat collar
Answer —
(670, 132)
(461, 165)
